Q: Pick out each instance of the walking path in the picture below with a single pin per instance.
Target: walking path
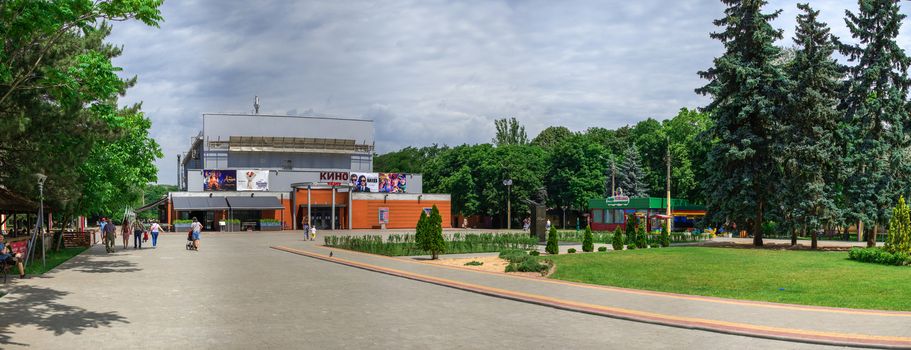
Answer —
(238, 293)
(823, 325)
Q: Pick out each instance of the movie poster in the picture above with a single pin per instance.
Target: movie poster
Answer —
(393, 182)
(219, 180)
(253, 180)
(364, 182)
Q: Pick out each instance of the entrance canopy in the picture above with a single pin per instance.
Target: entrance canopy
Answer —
(200, 203)
(254, 203)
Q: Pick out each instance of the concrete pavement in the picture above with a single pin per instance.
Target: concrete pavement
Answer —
(237, 293)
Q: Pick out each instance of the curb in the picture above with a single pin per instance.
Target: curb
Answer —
(723, 327)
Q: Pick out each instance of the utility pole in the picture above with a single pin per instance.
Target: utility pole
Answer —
(613, 176)
(668, 224)
(508, 184)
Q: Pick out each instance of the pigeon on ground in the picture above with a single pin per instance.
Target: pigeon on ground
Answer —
(330, 254)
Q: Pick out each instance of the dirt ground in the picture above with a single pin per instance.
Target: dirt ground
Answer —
(491, 264)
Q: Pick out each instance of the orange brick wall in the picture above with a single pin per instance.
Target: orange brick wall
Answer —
(403, 214)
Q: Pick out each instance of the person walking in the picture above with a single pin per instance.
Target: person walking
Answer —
(104, 221)
(138, 230)
(312, 233)
(155, 229)
(126, 232)
(197, 228)
(110, 231)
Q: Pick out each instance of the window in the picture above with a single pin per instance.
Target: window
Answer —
(599, 216)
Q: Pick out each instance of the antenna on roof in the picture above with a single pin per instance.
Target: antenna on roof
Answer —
(255, 104)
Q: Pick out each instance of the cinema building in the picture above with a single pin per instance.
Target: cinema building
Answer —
(268, 172)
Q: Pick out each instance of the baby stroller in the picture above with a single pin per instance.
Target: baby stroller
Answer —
(190, 245)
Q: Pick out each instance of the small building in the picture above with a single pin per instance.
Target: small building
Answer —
(256, 171)
(607, 215)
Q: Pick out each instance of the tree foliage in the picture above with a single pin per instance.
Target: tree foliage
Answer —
(509, 132)
(588, 244)
(749, 91)
(552, 242)
(899, 238)
(630, 175)
(58, 103)
(876, 113)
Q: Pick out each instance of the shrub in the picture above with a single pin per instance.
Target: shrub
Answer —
(632, 222)
(602, 249)
(665, 240)
(513, 255)
(617, 240)
(587, 244)
(899, 239)
(534, 253)
(528, 264)
(429, 235)
(406, 244)
(641, 237)
(571, 250)
(879, 256)
(631, 246)
(474, 263)
(552, 247)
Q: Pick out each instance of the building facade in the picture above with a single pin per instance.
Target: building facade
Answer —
(286, 172)
(607, 214)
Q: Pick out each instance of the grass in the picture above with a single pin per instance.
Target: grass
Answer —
(796, 277)
(53, 260)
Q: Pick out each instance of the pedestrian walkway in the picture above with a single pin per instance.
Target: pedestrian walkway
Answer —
(833, 326)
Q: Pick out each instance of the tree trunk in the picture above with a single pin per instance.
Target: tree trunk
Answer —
(793, 236)
(564, 218)
(815, 236)
(871, 239)
(757, 226)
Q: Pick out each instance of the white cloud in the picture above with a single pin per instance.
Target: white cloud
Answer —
(426, 71)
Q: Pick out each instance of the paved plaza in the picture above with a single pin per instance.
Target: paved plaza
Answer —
(238, 292)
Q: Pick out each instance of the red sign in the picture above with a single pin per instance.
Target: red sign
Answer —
(333, 176)
(334, 183)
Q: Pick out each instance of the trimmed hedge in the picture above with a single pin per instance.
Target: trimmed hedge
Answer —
(879, 256)
(602, 249)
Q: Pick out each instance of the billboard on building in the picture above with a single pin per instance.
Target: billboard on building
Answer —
(393, 182)
(253, 180)
(219, 180)
(364, 182)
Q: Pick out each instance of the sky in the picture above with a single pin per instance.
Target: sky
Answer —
(428, 72)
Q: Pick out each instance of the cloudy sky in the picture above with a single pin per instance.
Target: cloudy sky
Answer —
(427, 71)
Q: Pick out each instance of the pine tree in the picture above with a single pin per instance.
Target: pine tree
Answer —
(665, 240)
(899, 239)
(749, 93)
(617, 239)
(631, 176)
(875, 107)
(420, 231)
(552, 242)
(807, 149)
(434, 236)
(641, 236)
(588, 244)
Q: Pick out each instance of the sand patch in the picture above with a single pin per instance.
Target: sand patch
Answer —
(491, 264)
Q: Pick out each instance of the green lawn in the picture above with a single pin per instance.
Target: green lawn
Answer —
(797, 277)
(53, 259)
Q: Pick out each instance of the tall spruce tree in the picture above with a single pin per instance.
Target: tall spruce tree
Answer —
(631, 176)
(808, 149)
(876, 114)
(748, 87)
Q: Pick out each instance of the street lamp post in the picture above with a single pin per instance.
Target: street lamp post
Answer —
(38, 224)
(508, 184)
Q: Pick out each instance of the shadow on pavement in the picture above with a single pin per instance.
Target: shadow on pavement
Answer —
(28, 306)
(97, 261)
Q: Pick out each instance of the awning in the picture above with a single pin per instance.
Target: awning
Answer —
(154, 204)
(200, 203)
(255, 203)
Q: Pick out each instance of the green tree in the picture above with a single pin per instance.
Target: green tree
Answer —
(509, 132)
(588, 244)
(899, 239)
(58, 100)
(436, 245)
(420, 232)
(552, 242)
(874, 102)
(632, 222)
(617, 239)
(641, 236)
(576, 174)
(808, 148)
(748, 88)
(551, 136)
(630, 175)
(665, 236)
(406, 160)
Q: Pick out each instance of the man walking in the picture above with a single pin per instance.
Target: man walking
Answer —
(109, 231)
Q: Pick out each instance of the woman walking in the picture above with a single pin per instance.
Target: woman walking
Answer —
(197, 228)
(126, 233)
(155, 229)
